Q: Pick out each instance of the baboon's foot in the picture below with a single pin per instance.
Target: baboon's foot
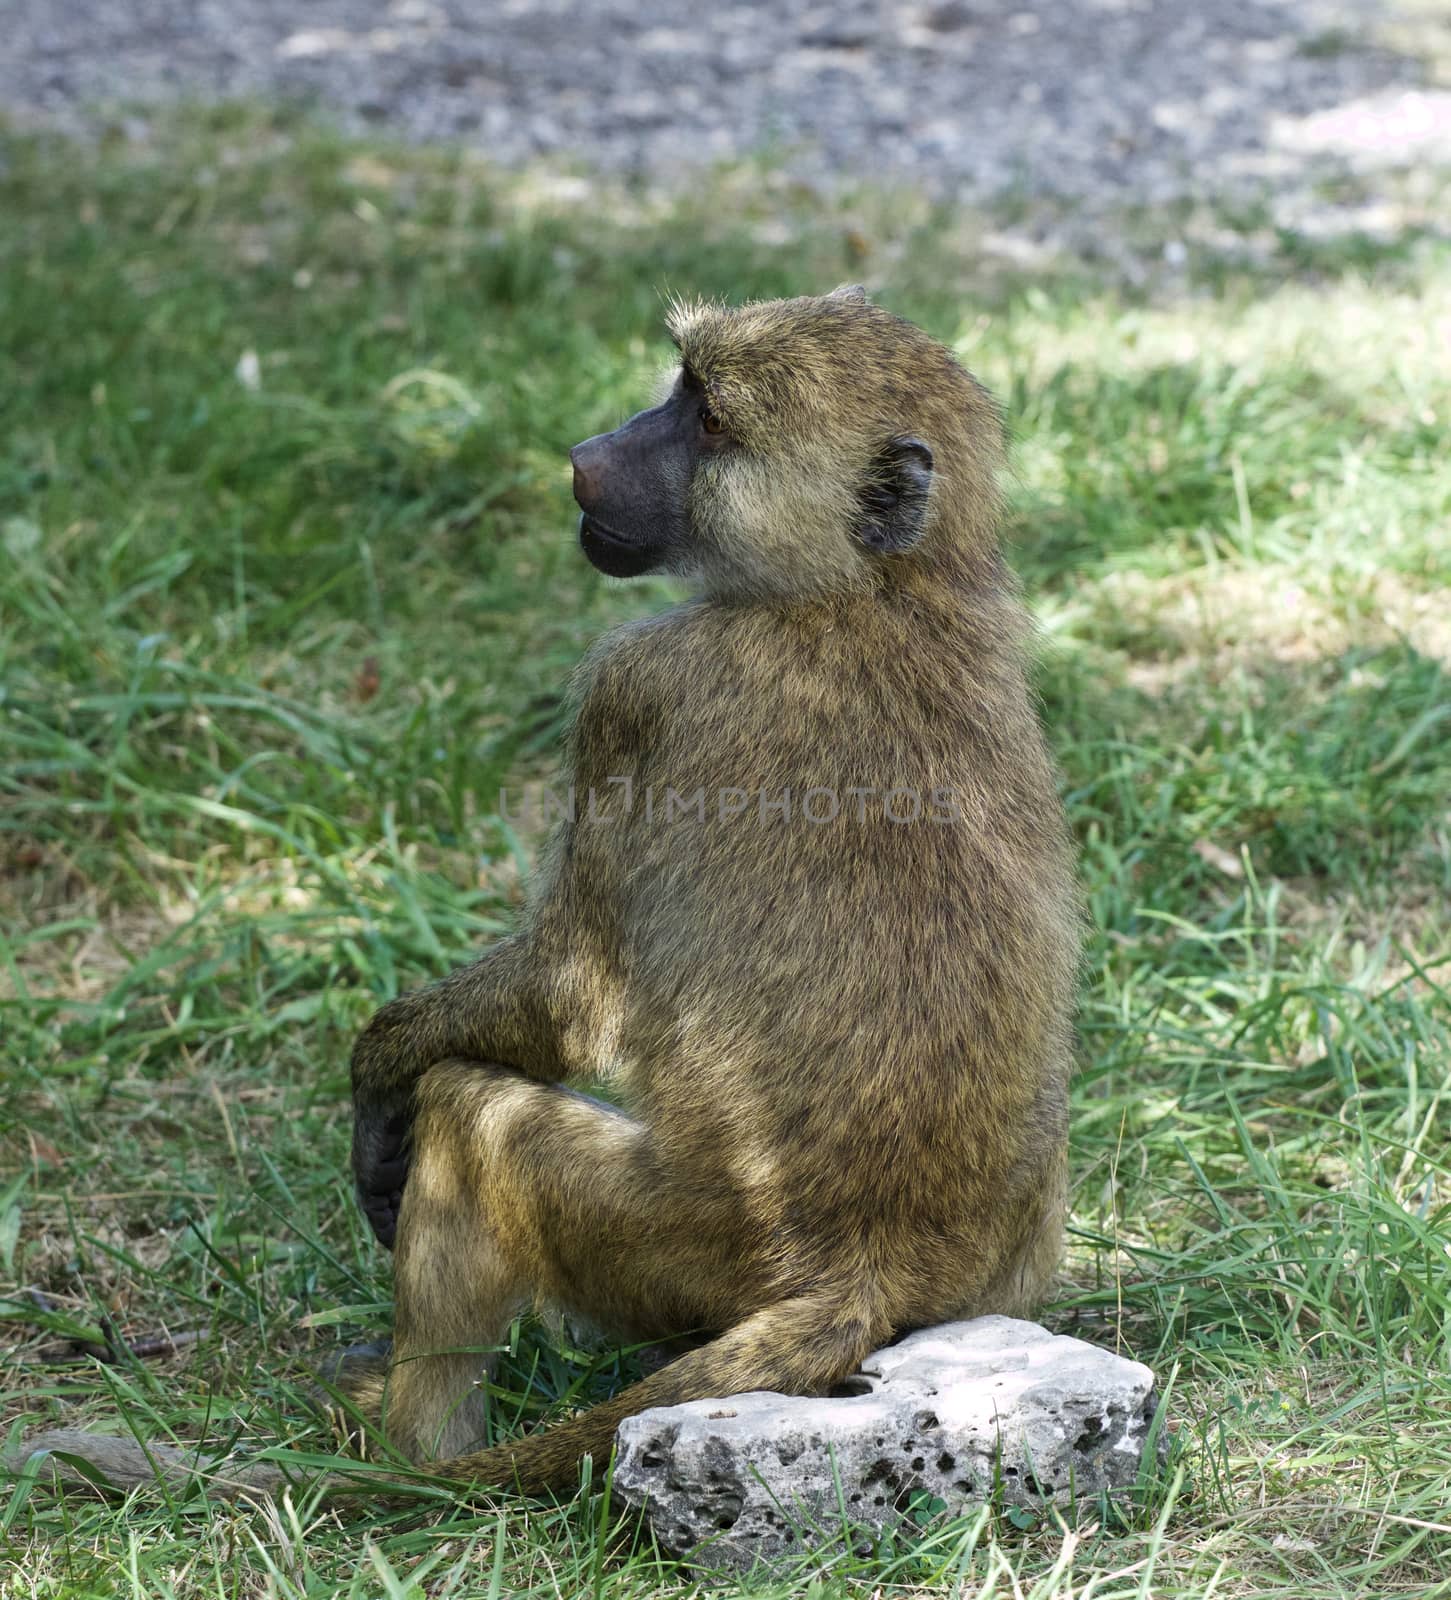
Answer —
(349, 1393)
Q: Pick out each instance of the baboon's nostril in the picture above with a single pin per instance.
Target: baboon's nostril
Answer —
(586, 480)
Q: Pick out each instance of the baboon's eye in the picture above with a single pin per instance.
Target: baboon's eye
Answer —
(710, 422)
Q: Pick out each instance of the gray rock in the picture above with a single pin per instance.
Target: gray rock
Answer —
(950, 1417)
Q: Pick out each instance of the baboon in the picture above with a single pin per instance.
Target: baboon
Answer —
(814, 916)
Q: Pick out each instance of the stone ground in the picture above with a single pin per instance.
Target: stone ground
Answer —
(1314, 106)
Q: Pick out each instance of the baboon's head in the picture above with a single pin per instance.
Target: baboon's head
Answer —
(806, 447)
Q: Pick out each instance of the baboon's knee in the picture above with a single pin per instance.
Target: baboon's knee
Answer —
(460, 1103)
(441, 1093)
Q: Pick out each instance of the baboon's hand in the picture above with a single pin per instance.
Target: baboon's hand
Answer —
(387, 1059)
(401, 1041)
(381, 1153)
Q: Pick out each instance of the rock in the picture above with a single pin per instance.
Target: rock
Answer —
(951, 1416)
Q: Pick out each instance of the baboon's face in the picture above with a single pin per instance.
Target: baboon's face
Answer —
(774, 467)
(633, 485)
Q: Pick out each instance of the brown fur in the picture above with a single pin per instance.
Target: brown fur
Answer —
(845, 1047)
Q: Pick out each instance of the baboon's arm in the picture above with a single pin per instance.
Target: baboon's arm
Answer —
(512, 1006)
(517, 1003)
(490, 1010)
(495, 1009)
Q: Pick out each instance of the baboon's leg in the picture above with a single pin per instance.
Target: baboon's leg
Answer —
(454, 1293)
(521, 1190)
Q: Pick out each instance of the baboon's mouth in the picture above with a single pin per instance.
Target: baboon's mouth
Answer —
(616, 556)
(602, 530)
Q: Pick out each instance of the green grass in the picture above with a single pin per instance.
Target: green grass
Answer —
(268, 649)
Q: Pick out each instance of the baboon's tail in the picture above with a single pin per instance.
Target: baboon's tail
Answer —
(796, 1347)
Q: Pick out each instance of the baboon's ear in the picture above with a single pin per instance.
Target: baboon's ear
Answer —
(894, 497)
(849, 291)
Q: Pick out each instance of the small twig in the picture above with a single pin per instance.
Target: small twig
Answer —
(166, 1344)
(118, 1349)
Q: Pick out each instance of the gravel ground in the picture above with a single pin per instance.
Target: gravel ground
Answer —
(1093, 100)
